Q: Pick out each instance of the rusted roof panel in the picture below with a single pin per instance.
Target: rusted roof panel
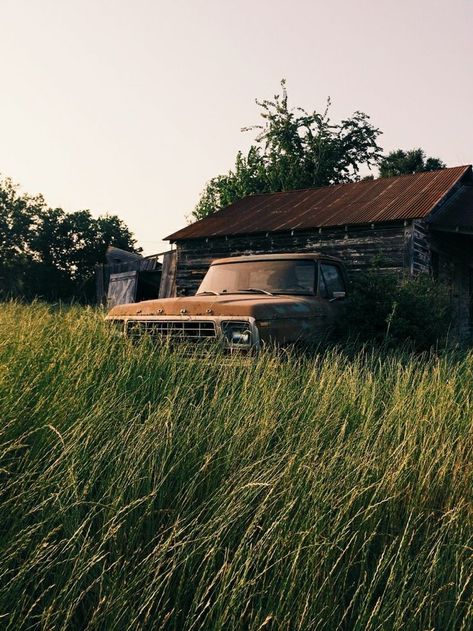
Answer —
(369, 201)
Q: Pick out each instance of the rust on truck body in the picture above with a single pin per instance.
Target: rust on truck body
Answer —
(248, 300)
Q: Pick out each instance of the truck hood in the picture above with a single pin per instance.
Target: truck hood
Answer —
(260, 307)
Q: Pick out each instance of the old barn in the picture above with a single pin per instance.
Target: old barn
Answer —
(420, 223)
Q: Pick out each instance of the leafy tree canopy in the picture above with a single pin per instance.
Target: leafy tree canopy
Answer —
(294, 149)
(48, 252)
(402, 162)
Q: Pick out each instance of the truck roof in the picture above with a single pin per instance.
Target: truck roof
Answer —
(277, 257)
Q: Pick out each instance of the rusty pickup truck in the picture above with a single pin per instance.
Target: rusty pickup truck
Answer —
(246, 301)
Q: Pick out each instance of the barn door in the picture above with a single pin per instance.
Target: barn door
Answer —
(167, 288)
(122, 288)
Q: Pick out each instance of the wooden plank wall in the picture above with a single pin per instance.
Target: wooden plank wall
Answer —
(390, 245)
(421, 248)
(455, 268)
(103, 272)
(167, 288)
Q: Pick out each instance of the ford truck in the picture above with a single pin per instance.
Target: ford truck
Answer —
(244, 302)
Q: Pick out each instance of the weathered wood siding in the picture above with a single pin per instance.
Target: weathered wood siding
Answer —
(421, 257)
(167, 288)
(390, 245)
(453, 255)
(455, 268)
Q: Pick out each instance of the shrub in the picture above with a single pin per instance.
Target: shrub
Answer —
(409, 310)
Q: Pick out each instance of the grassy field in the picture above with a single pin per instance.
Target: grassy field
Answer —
(145, 490)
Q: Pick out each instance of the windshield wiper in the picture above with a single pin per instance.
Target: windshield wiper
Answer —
(209, 291)
(256, 290)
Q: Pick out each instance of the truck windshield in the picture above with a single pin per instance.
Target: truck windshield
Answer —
(296, 276)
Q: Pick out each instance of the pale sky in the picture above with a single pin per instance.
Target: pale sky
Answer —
(130, 106)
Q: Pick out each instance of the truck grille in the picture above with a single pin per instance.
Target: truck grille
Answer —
(175, 330)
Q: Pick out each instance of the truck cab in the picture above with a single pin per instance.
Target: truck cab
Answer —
(246, 301)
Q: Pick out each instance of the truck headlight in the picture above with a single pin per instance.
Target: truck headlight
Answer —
(237, 333)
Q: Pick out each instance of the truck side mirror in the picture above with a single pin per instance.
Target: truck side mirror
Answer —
(338, 295)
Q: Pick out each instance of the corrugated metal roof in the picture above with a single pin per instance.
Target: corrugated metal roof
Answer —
(368, 201)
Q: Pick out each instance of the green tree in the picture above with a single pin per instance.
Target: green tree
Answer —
(19, 219)
(48, 252)
(294, 149)
(70, 245)
(402, 162)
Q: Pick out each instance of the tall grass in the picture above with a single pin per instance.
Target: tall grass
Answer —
(147, 490)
